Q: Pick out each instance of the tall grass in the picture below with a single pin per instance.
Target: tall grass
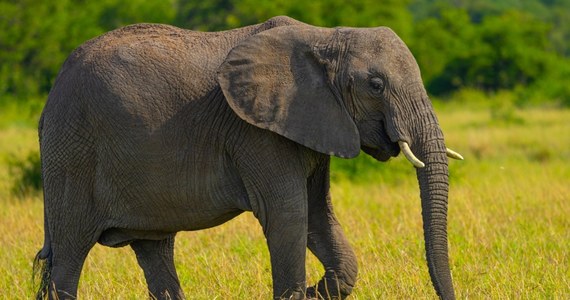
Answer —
(509, 222)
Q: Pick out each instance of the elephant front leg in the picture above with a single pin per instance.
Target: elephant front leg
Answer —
(285, 229)
(327, 241)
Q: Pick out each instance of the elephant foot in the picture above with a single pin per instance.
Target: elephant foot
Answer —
(330, 291)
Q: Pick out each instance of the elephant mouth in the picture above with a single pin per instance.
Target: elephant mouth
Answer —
(381, 147)
(383, 153)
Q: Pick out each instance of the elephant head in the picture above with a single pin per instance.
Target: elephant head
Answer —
(338, 91)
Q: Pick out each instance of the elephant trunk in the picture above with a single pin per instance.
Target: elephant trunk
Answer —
(433, 182)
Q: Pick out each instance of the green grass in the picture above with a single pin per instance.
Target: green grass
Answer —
(509, 222)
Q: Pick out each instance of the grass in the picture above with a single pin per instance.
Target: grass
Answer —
(509, 222)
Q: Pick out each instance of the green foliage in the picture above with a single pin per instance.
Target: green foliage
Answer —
(37, 36)
(226, 14)
(553, 88)
(502, 52)
(365, 170)
(210, 15)
(495, 45)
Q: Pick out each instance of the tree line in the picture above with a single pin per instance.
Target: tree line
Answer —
(519, 46)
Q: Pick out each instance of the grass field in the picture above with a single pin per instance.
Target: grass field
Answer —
(509, 222)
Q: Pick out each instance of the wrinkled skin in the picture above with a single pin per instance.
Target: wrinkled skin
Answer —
(150, 130)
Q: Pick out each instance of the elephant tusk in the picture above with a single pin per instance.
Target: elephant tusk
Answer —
(410, 155)
(452, 154)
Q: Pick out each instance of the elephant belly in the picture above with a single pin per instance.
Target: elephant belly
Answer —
(168, 193)
(119, 237)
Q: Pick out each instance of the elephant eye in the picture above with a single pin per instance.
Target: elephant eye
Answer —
(377, 84)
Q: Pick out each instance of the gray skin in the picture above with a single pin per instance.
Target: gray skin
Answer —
(151, 129)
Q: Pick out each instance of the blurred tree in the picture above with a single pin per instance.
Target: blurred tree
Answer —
(560, 32)
(502, 52)
(37, 36)
(115, 14)
(440, 40)
(518, 51)
(486, 44)
(226, 14)
(553, 12)
(208, 15)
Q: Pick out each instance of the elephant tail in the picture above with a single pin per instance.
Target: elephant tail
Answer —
(43, 261)
(42, 267)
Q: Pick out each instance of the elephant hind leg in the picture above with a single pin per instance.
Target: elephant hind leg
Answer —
(156, 258)
(71, 230)
(66, 264)
(71, 241)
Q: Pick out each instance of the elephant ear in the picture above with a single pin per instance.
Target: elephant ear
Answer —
(277, 80)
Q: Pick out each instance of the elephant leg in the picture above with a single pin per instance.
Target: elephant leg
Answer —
(274, 172)
(72, 231)
(283, 216)
(66, 263)
(156, 258)
(286, 238)
(327, 241)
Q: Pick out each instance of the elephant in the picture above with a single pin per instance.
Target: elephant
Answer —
(150, 129)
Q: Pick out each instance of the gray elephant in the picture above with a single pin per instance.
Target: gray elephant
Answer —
(151, 129)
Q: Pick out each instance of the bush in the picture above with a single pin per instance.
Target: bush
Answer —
(365, 170)
(28, 174)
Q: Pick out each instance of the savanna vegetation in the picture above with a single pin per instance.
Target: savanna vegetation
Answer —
(508, 222)
(498, 72)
